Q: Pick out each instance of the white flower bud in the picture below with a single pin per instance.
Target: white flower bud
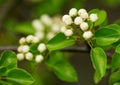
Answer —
(81, 11)
(37, 25)
(68, 32)
(63, 29)
(20, 56)
(93, 17)
(22, 40)
(20, 48)
(84, 15)
(84, 26)
(50, 35)
(35, 40)
(39, 58)
(73, 12)
(29, 38)
(41, 47)
(29, 56)
(87, 35)
(46, 20)
(55, 27)
(67, 19)
(78, 20)
(39, 35)
(25, 48)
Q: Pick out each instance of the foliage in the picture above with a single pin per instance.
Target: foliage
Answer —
(9, 73)
(98, 34)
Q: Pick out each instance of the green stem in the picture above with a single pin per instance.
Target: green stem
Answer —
(90, 44)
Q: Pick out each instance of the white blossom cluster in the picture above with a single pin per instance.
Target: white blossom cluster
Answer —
(24, 50)
(80, 18)
(45, 28)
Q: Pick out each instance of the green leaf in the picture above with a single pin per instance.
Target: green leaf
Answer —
(107, 32)
(117, 83)
(104, 41)
(118, 49)
(8, 59)
(59, 41)
(4, 83)
(3, 71)
(99, 61)
(101, 16)
(97, 78)
(55, 57)
(114, 27)
(115, 61)
(61, 68)
(115, 77)
(106, 36)
(20, 76)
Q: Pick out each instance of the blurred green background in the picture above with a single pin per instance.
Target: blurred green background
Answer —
(15, 21)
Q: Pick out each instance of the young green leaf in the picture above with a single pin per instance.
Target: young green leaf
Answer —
(61, 68)
(105, 41)
(115, 77)
(5, 83)
(59, 41)
(118, 49)
(117, 83)
(3, 71)
(99, 61)
(106, 36)
(115, 61)
(20, 76)
(8, 59)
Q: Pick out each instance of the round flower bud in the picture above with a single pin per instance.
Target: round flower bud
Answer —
(73, 12)
(78, 20)
(20, 48)
(22, 40)
(46, 20)
(84, 26)
(37, 25)
(39, 35)
(35, 40)
(93, 17)
(84, 15)
(39, 58)
(41, 47)
(63, 29)
(87, 35)
(68, 32)
(55, 28)
(81, 11)
(29, 38)
(50, 35)
(20, 56)
(25, 48)
(29, 56)
(67, 19)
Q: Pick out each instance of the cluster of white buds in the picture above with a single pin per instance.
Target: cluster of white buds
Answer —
(80, 18)
(45, 29)
(67, 32)
(25, 47)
